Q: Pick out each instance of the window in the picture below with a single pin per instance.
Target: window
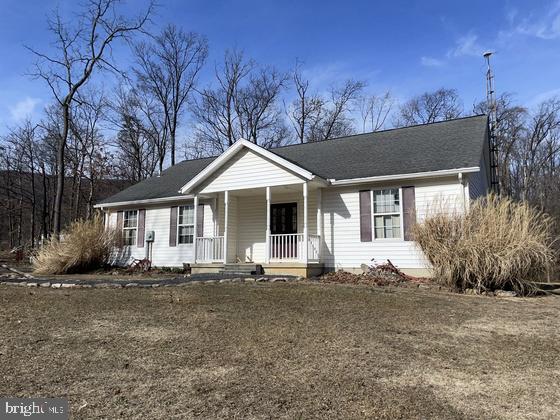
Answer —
(130, 227)
(387, 213)
(185, 225)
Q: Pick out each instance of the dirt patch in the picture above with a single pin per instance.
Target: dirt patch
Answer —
(281, 350)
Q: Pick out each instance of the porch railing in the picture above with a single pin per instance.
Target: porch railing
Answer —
(287, 246)
(290, 247)
(210, 249)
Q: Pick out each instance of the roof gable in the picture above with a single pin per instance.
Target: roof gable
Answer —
(275, 162)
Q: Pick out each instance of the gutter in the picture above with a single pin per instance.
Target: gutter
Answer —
(431, 174)
(147, 201)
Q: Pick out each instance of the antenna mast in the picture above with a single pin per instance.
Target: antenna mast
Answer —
(493, 121)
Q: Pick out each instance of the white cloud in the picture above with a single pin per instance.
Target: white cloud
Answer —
(23, 109)
(466, 46)
(546, 26)
(431, 61)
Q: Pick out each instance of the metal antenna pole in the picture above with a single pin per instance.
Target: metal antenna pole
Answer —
(493, 122)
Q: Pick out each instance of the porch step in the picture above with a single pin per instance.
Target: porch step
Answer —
(242, 269)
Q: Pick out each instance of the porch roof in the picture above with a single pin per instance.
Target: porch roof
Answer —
(432, 147)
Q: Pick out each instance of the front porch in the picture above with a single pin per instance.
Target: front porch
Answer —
(277, 227)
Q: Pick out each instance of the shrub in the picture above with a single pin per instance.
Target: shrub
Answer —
(497, 244)
(84, 245)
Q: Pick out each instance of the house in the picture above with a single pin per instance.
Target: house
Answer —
(305, 208)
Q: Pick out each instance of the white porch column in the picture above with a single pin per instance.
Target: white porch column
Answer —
(320, 218)
(305, 231)
(195, 233)
(267, 241)
(226, 217)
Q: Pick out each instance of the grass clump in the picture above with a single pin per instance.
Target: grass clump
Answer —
(497, 244)
(85, 245)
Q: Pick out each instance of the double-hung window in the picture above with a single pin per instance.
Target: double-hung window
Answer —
(185, 224)
(387, 213)
(130, 227)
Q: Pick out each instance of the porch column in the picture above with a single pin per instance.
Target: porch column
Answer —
(267, 241)
(305, 231)
(195, 232)
(226, 217)
(320, 218)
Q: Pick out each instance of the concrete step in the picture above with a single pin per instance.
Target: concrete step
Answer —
(241, 269)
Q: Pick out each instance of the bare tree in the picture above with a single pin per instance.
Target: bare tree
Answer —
(167, 69)
(82, 47)
(242, 104)
(306, 108)
(440, 105)
(135, 149)
(511, 120)
(315, 117)
(374, 110)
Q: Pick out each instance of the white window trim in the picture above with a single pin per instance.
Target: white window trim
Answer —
(124, 228)
(373, 214)
(184, 224)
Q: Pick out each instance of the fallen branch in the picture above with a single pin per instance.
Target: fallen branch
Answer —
(390, 268)
(26, 275)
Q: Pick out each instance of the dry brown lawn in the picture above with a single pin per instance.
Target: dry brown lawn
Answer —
(295, 350)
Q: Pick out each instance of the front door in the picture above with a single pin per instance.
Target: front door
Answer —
(283, 221)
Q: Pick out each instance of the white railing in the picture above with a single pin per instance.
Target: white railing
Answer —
(210, 249)
(286, 246)
(314, 247)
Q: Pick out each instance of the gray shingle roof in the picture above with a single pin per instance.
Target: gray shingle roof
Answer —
(444, 145)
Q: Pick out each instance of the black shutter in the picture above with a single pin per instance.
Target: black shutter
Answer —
(409, 211)
(365, 216)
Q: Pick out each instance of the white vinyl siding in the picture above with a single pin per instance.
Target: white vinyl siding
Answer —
(341, 225)
(341, 220)
(248, 170)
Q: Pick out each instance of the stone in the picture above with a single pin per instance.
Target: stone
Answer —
(56, 285)
(131, 285)
(68, 285)
(155, 285)
(276, 279)
(225, 281)
(423, 286)
(236, 280)
(504, 293)
(211, 281)
(249, 280)
(261, 279)
(22, 284)
(31, 284)
(47, 284)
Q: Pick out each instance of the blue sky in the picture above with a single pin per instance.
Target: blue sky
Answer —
(406, 47)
